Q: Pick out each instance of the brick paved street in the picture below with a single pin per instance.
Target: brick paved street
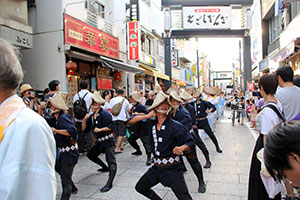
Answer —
(226, 180)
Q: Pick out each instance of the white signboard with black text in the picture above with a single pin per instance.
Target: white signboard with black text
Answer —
(207, 17)
(174, 53)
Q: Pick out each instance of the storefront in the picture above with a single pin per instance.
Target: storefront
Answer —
(93, 55)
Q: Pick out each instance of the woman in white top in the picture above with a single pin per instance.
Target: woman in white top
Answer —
(270, 115)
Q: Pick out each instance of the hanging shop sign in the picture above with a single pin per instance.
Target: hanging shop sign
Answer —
(104, 83)
(189, 77)
(174, 53)
(134, 10)
(207, 17)
(84, 36)
(134, 43)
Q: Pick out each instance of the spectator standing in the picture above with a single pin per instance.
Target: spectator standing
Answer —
(54, 86)
(288, 94)
(86, 96)
(270, 115)
(27, 146)
(120, 119)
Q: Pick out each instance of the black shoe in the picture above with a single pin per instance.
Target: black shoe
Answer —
(148, 162)
(202, 188)
(219, 150)
(207, 164)
(103, 169)
(137, 153)
(106, 188)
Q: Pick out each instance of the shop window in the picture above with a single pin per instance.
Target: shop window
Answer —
(146, 44)
(95, 7)
(295, 9)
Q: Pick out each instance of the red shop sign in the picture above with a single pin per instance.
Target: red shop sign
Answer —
(104, 83)
(82, 35)
(133, 40)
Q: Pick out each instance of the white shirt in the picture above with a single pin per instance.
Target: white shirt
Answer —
(87, 99)
(267, 118)
(126, 105)
(27, 159)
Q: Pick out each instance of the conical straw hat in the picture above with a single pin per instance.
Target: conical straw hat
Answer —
(157, 88)
(209, 90)
(175, 96)
(98, 98)
(197, 93)
(59, 100)
(159, 99)
(185, 95)
(136, 96)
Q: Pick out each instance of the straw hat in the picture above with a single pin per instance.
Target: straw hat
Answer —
(185, 95)
(172, 89)
(136, 96)
(159, 99)
(175, 96)
(59, 100)
(209, 90)
(218, 91)
(98, 98)
(25, 87)
(197, 93)
(157, 88)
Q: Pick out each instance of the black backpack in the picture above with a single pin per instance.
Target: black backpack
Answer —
(79, 107)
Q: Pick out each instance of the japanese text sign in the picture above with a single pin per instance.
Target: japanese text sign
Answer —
(134, 41)
(174, 53)
(82, 35)
(104, 83)
(207, 17)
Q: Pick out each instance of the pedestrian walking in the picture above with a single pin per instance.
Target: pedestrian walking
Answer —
(202, 108)
(138, 130)
(182, 115)
(186, 97)
(169, 139)
(119, 106)
(66, 135)
(101, 124)
(270, 115)
(81, 106)
(27, 145)
(288, 94)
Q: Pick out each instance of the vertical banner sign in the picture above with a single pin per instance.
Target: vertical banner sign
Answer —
(207, 17)
(174, 53)
(133, 40)
(134, 10)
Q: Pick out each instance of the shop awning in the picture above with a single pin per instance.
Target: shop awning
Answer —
(153, 72)
(120, 66)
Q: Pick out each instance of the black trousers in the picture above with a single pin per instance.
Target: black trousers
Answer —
(66, 171)
(145, 140)
(203, 124)
(179, 188)
(85, 140)
(109, 151)
(200, 143)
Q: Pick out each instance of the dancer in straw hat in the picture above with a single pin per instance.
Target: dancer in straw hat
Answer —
(202, 109)
(66, 137)
(169, 139)
(102, 125)
(186, 98)
(138, 130)
(181, 115)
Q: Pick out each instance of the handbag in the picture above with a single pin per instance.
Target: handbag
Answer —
(116, 109)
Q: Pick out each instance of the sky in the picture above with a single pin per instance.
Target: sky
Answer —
(220, 51)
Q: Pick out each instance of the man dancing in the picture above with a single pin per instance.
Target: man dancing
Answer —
(102, 126)
(202, 109)
(169, 139)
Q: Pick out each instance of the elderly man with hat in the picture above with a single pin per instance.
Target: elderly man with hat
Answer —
(27, 94)
(101, 123)
(186, 98)
(182, 115)
(138, 130)
(202, 108)
(169, 139)
(66, 135)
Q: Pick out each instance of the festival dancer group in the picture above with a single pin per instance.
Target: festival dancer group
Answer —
(168, 130)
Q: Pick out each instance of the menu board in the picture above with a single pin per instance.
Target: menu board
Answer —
(72, 89)
(104, 83)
